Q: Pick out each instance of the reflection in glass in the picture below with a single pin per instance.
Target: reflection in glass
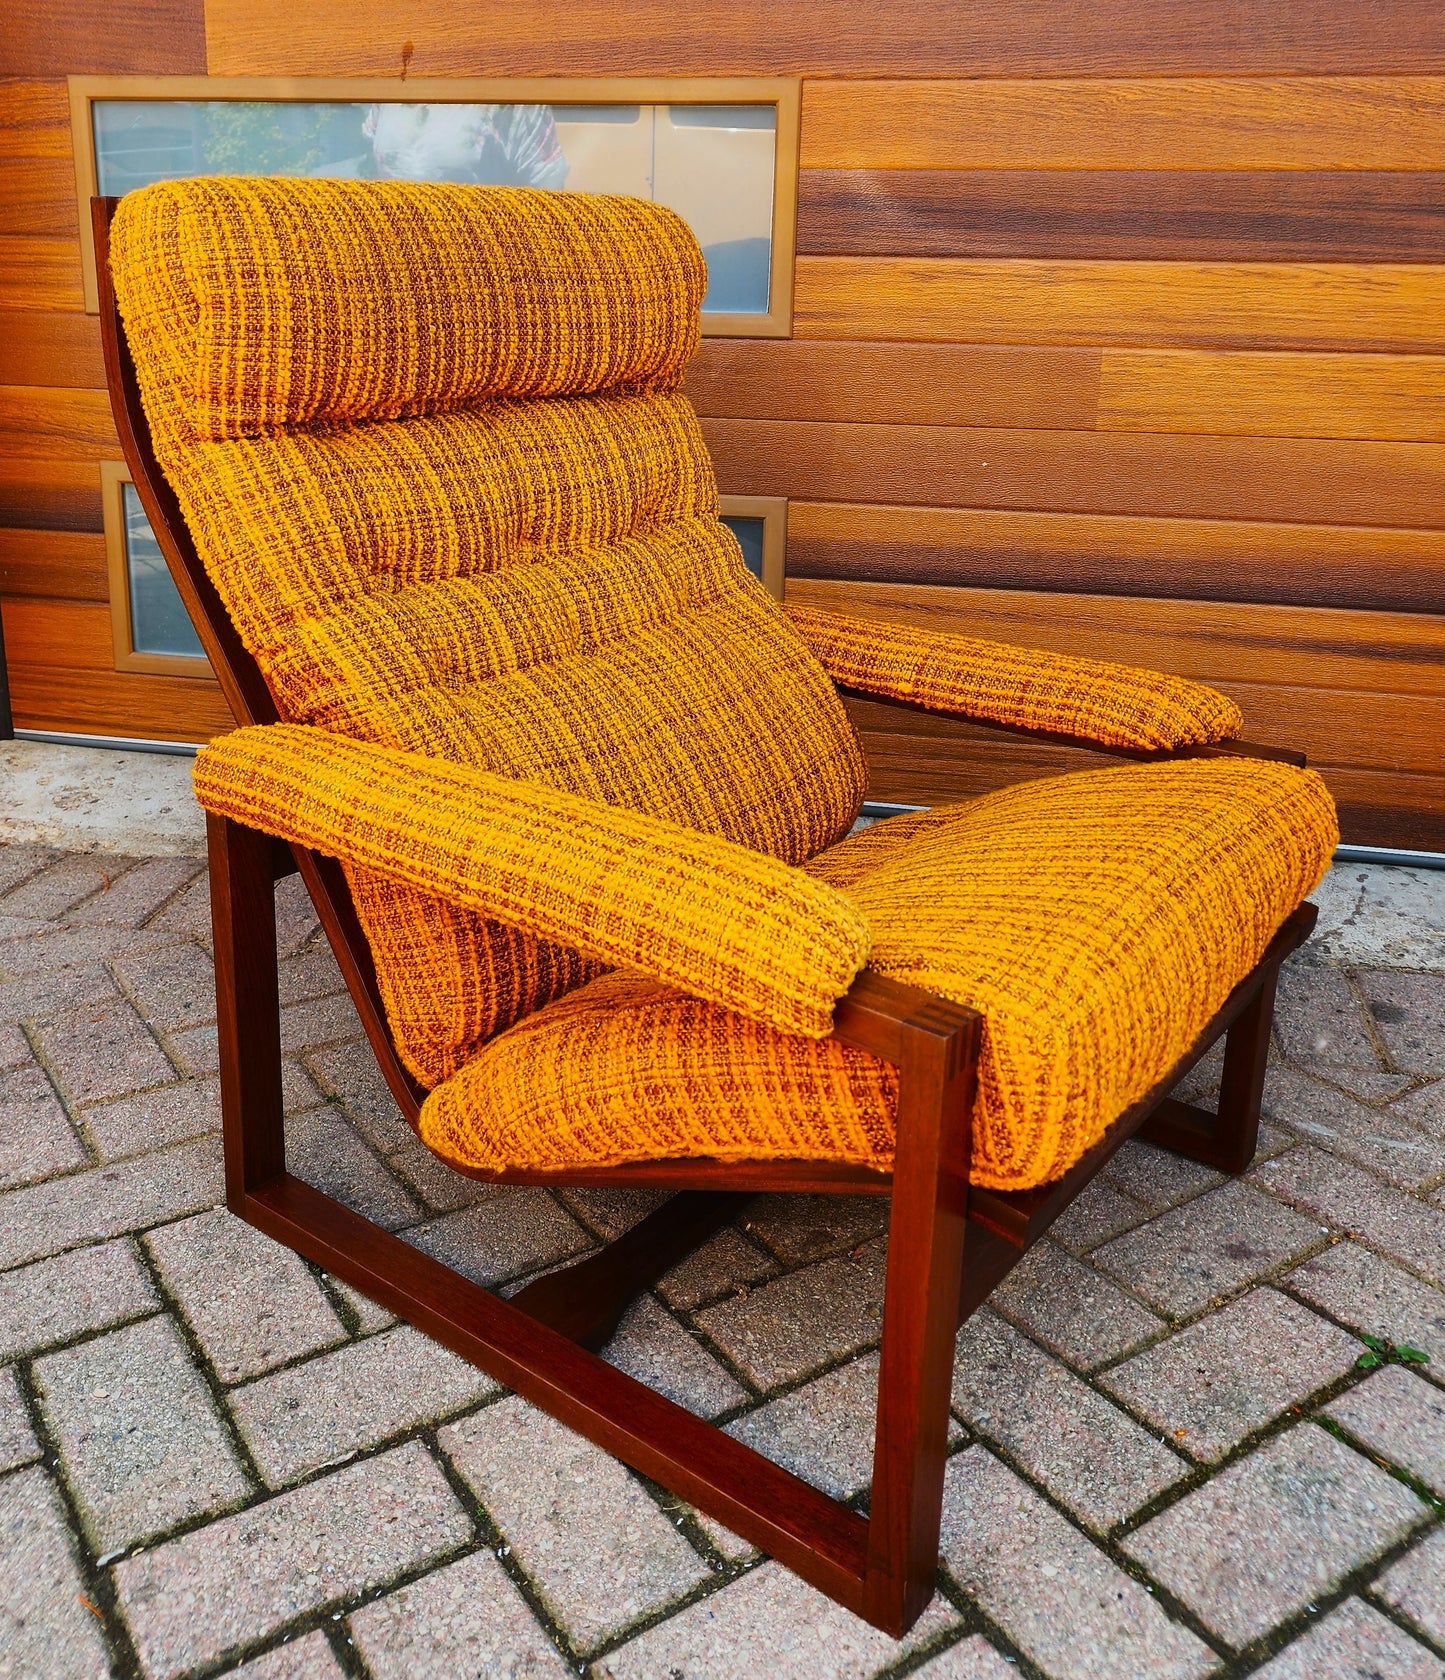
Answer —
(713, 164)
(158, 621)
(748, 529)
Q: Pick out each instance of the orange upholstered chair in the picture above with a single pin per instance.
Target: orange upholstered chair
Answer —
(574, 796)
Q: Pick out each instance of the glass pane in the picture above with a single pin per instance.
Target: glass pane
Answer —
(158, 621)
(748, 529)
(713, 164)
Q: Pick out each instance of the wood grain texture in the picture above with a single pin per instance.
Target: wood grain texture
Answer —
(50, 495)
(122, 703)
(1216, 642)
(1317, 481)
(35, 119)
(917, 384)
(1221, 560)
(66, 565)
(40, 272)
(1253, 121)
(56, 423)
(68, 37)
(1358, 216)
(37, 196)
(904, 37)
(1273, 394)
(46, 347)
(1283, 306)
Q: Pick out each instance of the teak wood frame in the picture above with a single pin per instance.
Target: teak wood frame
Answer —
(951, 1243)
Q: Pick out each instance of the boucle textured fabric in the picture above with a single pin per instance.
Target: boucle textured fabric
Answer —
(1026, 688)
(1097, 921)
(426, 551)
(728, 924)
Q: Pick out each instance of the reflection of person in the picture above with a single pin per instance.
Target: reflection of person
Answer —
(493, 145)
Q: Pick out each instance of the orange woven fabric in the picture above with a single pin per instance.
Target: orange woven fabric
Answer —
(728, 924)
(1026, 688)
(1097, 921)
(424, 550)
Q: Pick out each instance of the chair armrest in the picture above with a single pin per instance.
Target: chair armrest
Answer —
(727, 924)
(1119, 706)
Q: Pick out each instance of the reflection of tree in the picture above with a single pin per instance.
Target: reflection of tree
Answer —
(245, 137)
(495, 145)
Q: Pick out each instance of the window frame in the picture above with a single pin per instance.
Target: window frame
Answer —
(114, 476)
(782, 92)
(773, 511)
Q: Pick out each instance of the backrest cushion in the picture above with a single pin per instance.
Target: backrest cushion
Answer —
(503, 552)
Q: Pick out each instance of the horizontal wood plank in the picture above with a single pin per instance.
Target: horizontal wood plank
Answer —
(1397, 654)
(916, 384)
(48, 347)
(1221, 560)
(57, 634)
(1253, 121)
(1285, 306)
(39, 272)
(68, 37)
(1273, 394)
(37, 196)
(50, 495)
(66, 565)
(35, 118)
(1317, 481)
(57, 423)
(903, 37)
(1353, 216)
(121, 703)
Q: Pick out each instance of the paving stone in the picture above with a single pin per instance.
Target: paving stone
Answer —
(970, 1659)
(1060, 1599)
(190, 912)
(1368, 1087)
(1401, 1418)
(1157, 1177)
(141, 1442)
(465, 1620)
(1409, 1012)
(349, 1071)
(296, 920)
(798, 1228)
(53, 990)
(599, 1552)
(319, 1021)
(1382, 1140)
(726, 1263)
(608, 1211)
(1186, 1257)
(1203, 1078)
(1361, 1206)
(197, 1050)
(1377, 1298)
(36, 1137)
(307, 1658)
(440, 1188)
(14, 1047)
(508, 1234)
(1415, 1586)
(786, 1329)
(1229, 1374)
(174, 987)
(46, 1633)
(17, 1439)
(653, 1347)
(107, 1201)
(1099, 1462)
(370, 1314)
(1274, 1532)
(191, 1600)
(137, 894)
(152, 1119)
(1071, 1308)
(314, 1414)
(54, 1300)
(323, 1148)
(311, 972)
(103, 1052)
(1318, 1018)
(19, 862)
(1425, 1108)
(1096, 1214)
(251, 1302)
(77, 947)
(1354, 1642)
(72, 877)
(768, 1623)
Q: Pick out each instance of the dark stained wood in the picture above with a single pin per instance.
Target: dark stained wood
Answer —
(69, 565)
(1280, 215)
(67, 37)
(46, 347)
(1321, 481)
(1368, 567)
(831, 38)
(50, 495)
(1386, 808)
(905, 384)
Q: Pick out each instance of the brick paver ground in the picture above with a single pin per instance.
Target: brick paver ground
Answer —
(214, 1459)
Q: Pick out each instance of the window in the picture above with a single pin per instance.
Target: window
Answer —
(722, 153)
(150, 628)
(760, 523)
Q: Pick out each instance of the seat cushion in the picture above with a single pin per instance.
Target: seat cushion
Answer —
(1097, 921)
